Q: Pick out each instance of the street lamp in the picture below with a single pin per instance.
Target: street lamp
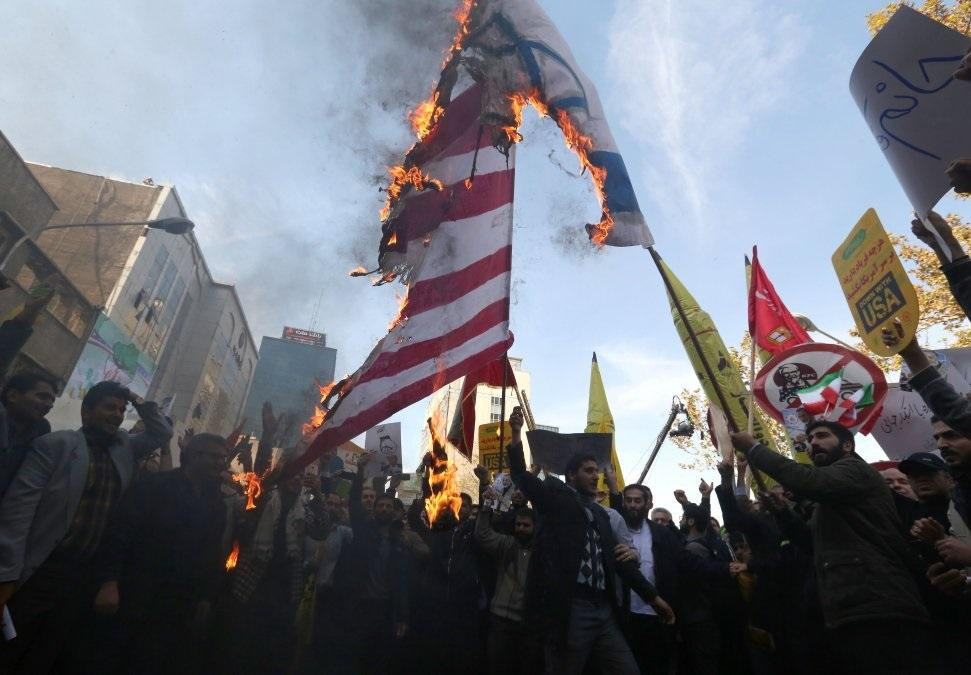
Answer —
(684, 430)
(173, 225)
(808, 324)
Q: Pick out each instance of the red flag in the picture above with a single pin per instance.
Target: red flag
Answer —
(462, 432)
(770, 324)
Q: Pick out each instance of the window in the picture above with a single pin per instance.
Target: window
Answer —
(497, 403)
(167, 279)
(156, 269)
(495, 417)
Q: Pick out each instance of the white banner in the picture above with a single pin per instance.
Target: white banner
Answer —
(917, 112)
(905, 426)
(384, 441)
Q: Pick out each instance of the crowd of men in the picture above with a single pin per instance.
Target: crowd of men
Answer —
(111, 561)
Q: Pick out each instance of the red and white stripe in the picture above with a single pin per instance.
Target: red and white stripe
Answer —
(457, 244)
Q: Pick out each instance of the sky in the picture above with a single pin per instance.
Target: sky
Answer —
(276, 123)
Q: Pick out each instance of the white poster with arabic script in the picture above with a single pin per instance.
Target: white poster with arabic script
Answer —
(916, 111)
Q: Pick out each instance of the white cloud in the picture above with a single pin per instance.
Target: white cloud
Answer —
(696, 77)
(639, 382)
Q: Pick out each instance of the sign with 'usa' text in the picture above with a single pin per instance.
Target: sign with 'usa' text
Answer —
(876, 285)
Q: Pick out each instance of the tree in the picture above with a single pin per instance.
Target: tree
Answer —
(956, 15)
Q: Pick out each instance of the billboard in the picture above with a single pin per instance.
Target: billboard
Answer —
(108, 355)
(306, 337)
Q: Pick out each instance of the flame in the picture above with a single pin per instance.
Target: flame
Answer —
(400, 317)
(580, 144)
(445, 496)
(358, 272)
(320, 411)
(401, 178)
(252, 483)
(393, 239)
(424, 117)
(233, 556)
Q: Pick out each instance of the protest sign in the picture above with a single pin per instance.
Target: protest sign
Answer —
(552, 450)
(384, 442)
(917, 112)
(820, 381)
(489, 450)
(904, 425)
(876, 286)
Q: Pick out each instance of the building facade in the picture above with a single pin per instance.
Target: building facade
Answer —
(166, 329)
(289, 375)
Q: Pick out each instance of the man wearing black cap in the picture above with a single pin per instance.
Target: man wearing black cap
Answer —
(933, 485)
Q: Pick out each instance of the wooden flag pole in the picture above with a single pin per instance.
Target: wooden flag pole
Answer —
(722, 401)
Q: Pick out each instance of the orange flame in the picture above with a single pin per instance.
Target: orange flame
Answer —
(401, 178)
(580, 144)
(358, 272)
(400, 318)
(233, 556)
(252, 483)
(320, 411)
(445, 496)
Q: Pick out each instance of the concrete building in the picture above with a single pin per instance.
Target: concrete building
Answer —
(445, 403)
(166, 328)
(61, 332)
(289, 374)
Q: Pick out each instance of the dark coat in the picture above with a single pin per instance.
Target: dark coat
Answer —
(559, 545)
(164, 548)
(863, 565)
(352, 569)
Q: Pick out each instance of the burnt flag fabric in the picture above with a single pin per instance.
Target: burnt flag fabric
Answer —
(450, 241)
(771, 325)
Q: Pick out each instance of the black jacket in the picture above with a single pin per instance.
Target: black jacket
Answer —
(164, 548)
(559, 545)
(863, 564)
(352, 570)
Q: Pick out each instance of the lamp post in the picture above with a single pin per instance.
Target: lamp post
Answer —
(808, 324)
(174, 225)
(685, 429)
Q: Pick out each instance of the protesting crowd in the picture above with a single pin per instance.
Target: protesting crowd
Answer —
(113, 564)
(242, 559)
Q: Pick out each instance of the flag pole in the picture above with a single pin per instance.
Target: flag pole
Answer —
(502, 407)
(753, 331)
(722, 401)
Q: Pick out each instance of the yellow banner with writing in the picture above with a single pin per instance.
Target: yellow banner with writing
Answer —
(876, 286)
(489, 449)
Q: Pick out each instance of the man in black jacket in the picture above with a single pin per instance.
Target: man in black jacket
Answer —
(25, 400)
(162, 561)
(571, 581)
(377, 570)
(862, 561)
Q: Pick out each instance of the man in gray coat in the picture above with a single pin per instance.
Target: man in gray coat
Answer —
(52, 519)
(866, 587)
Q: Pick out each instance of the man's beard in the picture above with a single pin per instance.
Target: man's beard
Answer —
(524, 539)
(635, 519)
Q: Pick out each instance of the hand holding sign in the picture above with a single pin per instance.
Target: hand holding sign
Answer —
(959, 173)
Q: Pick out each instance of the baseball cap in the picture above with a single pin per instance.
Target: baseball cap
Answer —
(922, 462)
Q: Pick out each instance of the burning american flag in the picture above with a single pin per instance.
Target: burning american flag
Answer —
(447, 223)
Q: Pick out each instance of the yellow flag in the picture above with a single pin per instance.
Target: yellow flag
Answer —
(600, 421)
(729, 382)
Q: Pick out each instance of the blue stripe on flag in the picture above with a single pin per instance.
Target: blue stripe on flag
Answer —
(618, 188)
